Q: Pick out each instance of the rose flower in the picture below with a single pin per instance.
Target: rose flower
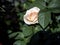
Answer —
(31, 16)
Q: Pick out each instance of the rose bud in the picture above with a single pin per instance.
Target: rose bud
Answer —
(31, 16)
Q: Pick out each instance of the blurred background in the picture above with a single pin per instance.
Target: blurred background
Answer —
(14, 31)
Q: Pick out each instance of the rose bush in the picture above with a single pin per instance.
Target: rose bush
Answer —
(17, 17)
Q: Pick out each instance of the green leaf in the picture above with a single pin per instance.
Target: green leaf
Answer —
(37, 28)
(58, 18)
(54, 4)
(32, 1)
(27, 30)
(56, 10)
(9, 31)
(47, 1)
(19, 43)
(37, 3)
(21, 15)
(20, 36)
(44, 18)
(13, 34)
(16, 3)
(27, 39)
(56, 29)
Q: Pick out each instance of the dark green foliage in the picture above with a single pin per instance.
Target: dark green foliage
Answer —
(13, 27)
(45, 38)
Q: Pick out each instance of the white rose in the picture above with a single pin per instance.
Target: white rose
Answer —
(31, 16)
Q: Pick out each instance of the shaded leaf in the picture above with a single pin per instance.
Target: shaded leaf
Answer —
(9, 31)
(37, 28)
(37, 3)
(19, 43)
(44, 19)
(56, 10)
(56, 29)
(20, 36)
(13, 34)
(54, 4)
(27, 30)
(47, 1)
(27, 39)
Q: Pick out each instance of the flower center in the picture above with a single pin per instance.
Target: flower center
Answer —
(32, 16)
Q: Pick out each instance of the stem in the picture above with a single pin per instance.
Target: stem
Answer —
(41, 26)
(33, 30)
